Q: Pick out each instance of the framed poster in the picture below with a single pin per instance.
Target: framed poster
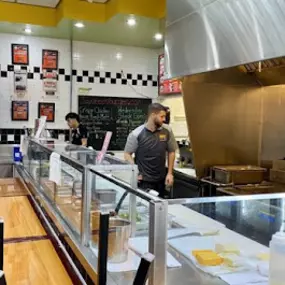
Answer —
(49, 59)
(20, 110)
(47, 110)
(20, 54)
(167, 86)
(50, 82)
(20, 83)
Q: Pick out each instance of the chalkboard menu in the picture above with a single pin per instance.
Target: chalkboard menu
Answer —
(118, 115)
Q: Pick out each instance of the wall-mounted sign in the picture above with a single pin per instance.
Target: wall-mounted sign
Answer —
(50, 59)
(50, 82)
(20, 54)
(20, 83)
(47, 110)
(167, 86)
(20, 110)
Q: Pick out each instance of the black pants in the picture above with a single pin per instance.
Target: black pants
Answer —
(158, 186)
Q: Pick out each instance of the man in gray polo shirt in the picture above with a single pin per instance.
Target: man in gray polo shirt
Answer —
(151, 143)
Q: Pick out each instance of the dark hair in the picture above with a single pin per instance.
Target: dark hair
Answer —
(72, 116)
(155, 108)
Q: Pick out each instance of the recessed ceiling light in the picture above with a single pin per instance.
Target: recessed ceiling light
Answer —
(28, 30)
(158, 36)
(79, 25)
(131, 21)
(119, 56)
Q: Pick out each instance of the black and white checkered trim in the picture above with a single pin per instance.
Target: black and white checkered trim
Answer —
(13, 136)
(86, 76)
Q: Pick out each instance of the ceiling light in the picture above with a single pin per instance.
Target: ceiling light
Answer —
(118, 56)
(28, 30)
(158, 36)
(131, 22)
(79, 25)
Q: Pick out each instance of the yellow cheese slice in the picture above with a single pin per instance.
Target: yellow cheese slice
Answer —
(208, 258)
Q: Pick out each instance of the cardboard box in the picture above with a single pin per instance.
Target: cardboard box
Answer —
(279, 164)
(277, 176)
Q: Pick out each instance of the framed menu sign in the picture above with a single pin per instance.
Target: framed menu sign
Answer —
(47, 110)
(20, 54)
(49, 59)
(20, 110)
(167, 86)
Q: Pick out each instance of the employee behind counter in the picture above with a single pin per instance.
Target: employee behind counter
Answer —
(79, 131)
(150, 143)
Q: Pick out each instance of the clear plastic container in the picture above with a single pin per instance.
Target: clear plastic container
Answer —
(277, 259)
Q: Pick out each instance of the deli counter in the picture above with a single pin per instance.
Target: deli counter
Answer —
(234, 231)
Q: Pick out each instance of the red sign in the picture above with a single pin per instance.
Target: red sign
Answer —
(50, 59)
(20, 54)
(166, 87)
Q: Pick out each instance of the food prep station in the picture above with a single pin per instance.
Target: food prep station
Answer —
(171, 230)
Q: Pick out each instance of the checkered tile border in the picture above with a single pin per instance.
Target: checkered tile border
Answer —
(87, 76)
(13, 136)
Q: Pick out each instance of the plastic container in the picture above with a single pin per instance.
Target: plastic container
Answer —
(17, 154)
(277, 259)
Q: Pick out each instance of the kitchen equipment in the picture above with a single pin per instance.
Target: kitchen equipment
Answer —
(238, 174)
(105, 196)
(119, 234)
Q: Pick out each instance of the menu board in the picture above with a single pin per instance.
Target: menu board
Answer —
(172, 86)
(117, 115)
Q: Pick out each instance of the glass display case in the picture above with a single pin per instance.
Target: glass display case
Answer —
(223, 240)
(138, 222)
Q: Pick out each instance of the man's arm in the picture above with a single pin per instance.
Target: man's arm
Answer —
(129, 157)
(171, 148)
(84, 135)
(130, 148)
(84, 142)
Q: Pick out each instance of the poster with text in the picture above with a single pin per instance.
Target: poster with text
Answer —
(20, 54)
(20, 83)
(20, 110)
(167, 86)
(50, 59)
(50, 82)
(47, 110)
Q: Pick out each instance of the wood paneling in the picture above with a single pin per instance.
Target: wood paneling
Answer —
(34, 263)
(11, 187)
(19, 217)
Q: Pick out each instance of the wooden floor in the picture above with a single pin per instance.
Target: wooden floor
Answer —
(29, 256)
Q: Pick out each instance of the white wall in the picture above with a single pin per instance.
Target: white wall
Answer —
(178, 119)
(91, 57)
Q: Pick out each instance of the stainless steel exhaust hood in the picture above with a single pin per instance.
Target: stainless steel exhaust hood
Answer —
(206, 35)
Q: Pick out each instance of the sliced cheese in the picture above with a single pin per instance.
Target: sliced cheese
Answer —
(231, 260)
(195, 252)
(226, 248)
(209, 258)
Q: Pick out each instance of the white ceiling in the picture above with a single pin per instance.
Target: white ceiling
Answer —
(45, 3)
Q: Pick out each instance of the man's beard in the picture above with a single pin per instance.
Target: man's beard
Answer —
(157, 124)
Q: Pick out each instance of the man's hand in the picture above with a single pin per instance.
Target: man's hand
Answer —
(169, 179)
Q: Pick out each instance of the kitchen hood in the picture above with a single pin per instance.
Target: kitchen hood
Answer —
(206, 35)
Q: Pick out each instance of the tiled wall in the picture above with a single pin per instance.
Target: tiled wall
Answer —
(95, 66)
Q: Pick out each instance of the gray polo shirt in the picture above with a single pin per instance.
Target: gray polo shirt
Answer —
(150, 150)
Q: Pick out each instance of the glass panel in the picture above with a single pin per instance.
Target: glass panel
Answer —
(236, 233)
(66, 196)
(125, 249)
